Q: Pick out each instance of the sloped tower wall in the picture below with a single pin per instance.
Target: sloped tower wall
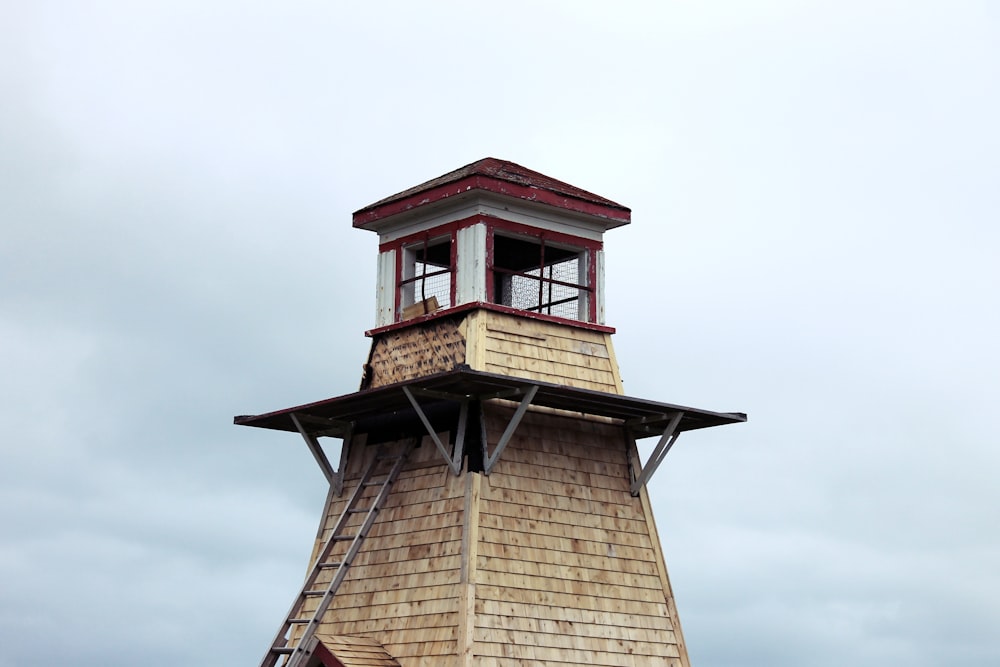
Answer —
(548, 560)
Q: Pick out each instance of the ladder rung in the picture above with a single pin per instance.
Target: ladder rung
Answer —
(371, 478)
(329, 566)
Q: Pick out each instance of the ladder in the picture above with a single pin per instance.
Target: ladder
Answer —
(297, 651)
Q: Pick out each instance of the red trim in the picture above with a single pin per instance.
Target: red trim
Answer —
(592, 283)
(397, 296)
(453, 262)
(490, 281)
(446, 230)
(541, 233)
(480, 305)
(366, 217)
(592, 247)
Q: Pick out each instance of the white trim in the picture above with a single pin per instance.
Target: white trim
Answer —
(460, 207)
(599, 287)
(385, 297)
(470, 274)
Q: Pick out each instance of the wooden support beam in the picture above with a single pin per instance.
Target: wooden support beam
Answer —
(463, 422)
(667, 441)
(345, 450)
(316, 449)
(491, 459)
(454, 460)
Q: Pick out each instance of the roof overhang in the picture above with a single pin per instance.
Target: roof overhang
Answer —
(375, 409)
(500, 178)
(440, 403)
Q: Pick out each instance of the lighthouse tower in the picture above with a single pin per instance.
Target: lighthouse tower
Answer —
(488, 507)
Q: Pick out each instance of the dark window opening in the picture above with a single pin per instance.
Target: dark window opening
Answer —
(402, 424)
(529, 274)
(427, 276)
(475, 439)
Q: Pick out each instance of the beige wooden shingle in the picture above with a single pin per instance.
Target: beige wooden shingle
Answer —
(547, 561)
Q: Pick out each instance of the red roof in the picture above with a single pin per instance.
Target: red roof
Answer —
(500, 177)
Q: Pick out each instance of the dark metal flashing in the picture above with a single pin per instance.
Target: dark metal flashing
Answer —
(374, 409)
(395, 412)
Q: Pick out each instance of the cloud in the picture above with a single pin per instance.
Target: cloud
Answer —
(812, 185)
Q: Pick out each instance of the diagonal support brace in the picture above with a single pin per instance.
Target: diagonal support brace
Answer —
(334, 477)
(316, 449)
(491, 459)
(454, 460)
(667, 441)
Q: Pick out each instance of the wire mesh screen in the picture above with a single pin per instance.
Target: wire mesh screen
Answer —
(431, 280)
(542, 290)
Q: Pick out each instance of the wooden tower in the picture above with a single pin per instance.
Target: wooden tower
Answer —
(489, 506)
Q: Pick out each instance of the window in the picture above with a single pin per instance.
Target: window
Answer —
(426, 277)
(541, 277)
(482, 260)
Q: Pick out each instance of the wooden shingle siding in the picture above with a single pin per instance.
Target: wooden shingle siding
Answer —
(566, 571)
(543, 529)
(530, 485)
(611, 627)
(549, 561)
(493, 661)
(416, 352)
(577, 574)
(403, 587)
(540, 556)
(377, 620)
(566, 457)
(546, 351)
(513, 655)
(528, 515)
(568, 619)
(571, 644)
(496, 343)
(577, 504)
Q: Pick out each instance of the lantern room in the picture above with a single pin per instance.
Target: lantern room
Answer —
(495, 235)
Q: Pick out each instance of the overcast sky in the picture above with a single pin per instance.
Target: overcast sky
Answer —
(815, 201)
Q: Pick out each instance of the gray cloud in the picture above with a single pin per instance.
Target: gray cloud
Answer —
(813, 188)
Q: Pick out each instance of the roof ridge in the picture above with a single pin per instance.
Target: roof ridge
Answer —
(502, 170)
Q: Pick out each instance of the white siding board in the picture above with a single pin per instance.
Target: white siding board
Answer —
(471, 269)
(385, 297)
